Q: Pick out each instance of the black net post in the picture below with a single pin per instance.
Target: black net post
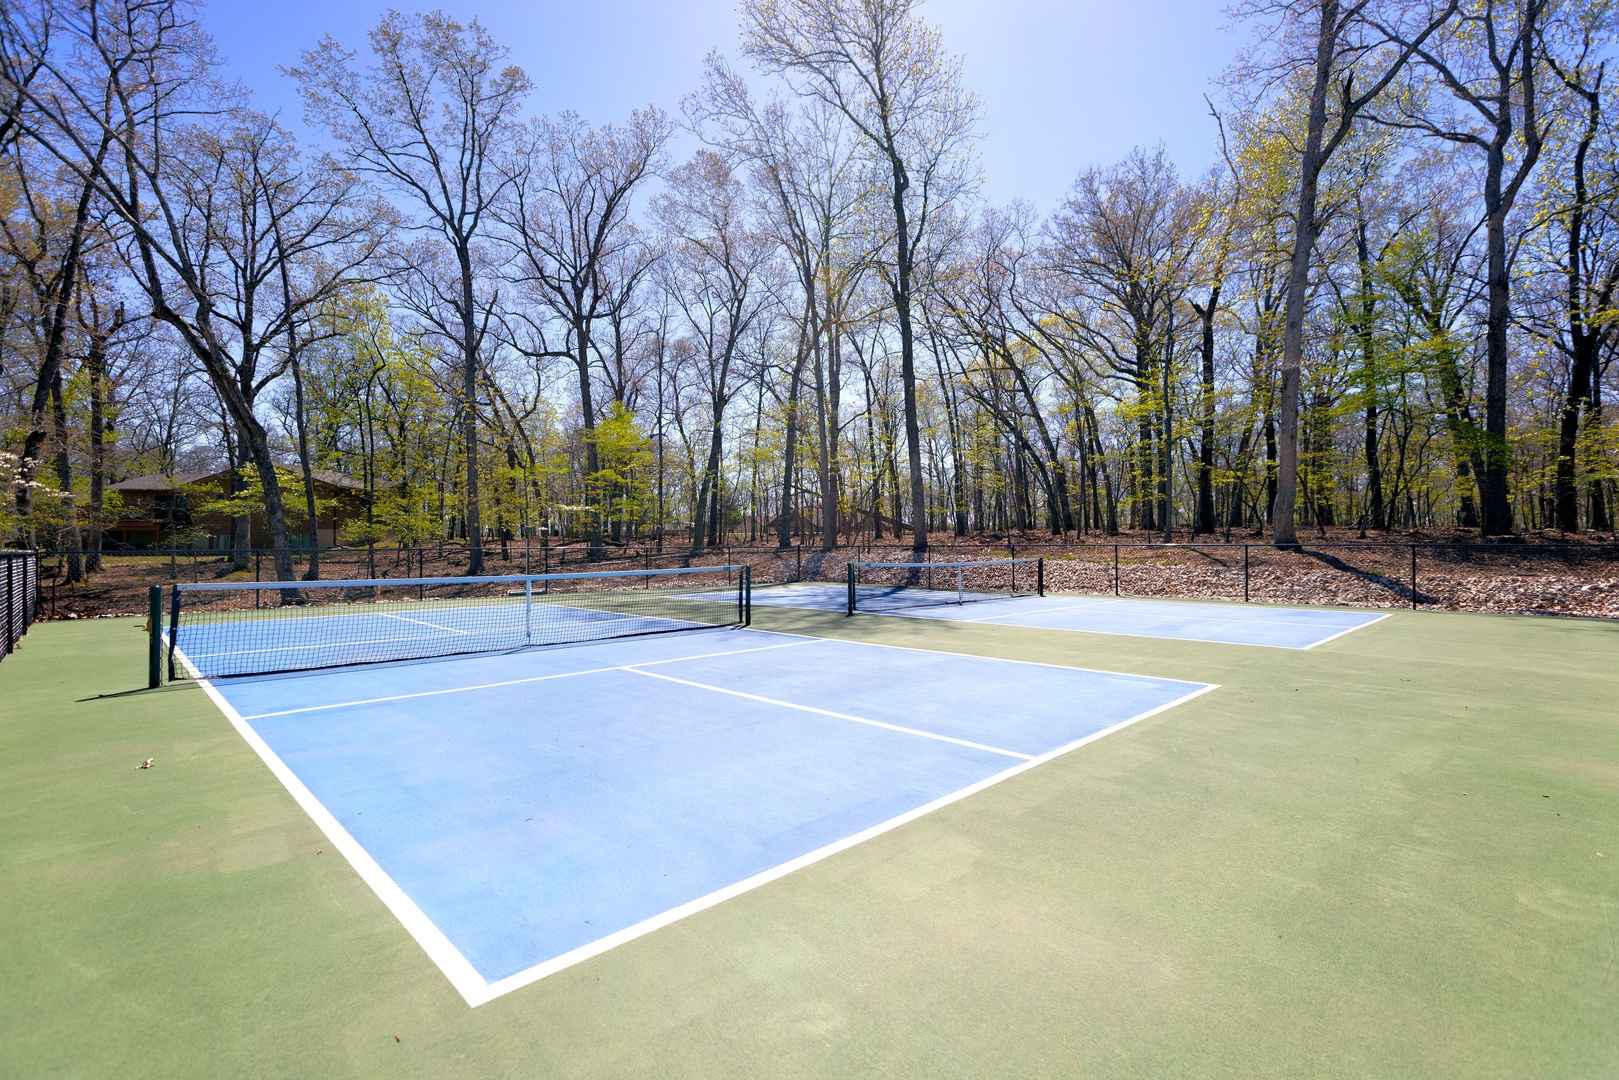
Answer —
(174, 626)
(851, 570)
(1245, 573)
(1115, 569)
(1413, 577)
(745, 597)
(1040, 576)
(154, 645)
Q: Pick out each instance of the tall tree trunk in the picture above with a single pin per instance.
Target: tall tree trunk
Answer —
(1371, 385)
(824, 425)
(313, 573)
(907, 356)
(1205, 448)
(784, 529)
(704, 524)
(1107, 478)
(50, 367)
(96, 363)
(469, 411)
(1584, 340)
(71, 538)
(1311, 159)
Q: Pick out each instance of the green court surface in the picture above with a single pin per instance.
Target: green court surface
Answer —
(1376, 858)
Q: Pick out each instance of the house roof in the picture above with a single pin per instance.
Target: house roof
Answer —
(337, 479)
(159, 482)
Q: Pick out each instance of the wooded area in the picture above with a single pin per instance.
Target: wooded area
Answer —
(1390, 306)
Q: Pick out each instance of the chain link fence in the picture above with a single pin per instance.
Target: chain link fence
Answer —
(19, 597)
(1542, 579)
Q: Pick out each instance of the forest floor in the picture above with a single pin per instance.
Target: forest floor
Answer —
(1388, 856)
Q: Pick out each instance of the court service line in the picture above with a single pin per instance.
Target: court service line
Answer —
(520, 682)
(420, 622)
(835, 715)
(702, 903)
(1007, 660)
(1194, 618)
(1222, 606)
(1036, 611)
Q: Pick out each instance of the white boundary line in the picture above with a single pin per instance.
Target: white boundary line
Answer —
(1351, 630)
(1224, 607)
(833, 715)
(1048, 611)
(1093, 605)
(518, 682)
(996, 659)
(456, 967)
(421, 622)
(1160, 637)
(702, 903)
(460, 973)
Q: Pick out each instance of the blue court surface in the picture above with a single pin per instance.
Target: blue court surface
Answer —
(1233, 624)
(521, 812)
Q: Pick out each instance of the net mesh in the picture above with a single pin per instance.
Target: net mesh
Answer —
(881, 587)
(258, 628)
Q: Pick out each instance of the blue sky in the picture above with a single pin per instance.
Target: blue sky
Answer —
(1064, 85)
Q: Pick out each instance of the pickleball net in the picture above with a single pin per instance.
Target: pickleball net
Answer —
(219, 629)
(888, 587)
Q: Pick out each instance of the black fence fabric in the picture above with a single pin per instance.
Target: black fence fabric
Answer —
(258, 628)
(19, 597)
(1579, 577)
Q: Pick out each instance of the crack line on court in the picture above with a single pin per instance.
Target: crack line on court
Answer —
(834, 715)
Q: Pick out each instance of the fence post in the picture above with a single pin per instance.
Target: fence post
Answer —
(798, 563)
(154, 647)
(1245, 573)
(1413, 577)
(1115, 569)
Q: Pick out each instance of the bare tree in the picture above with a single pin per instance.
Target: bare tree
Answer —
(1491, 62)
(1347, 53)
(428, 118)
(1581, 215)
(1117, 256)
(816, 195)
(45, 245)
(129, 105)
(876, 62)
(568, 217)
(717, 271)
